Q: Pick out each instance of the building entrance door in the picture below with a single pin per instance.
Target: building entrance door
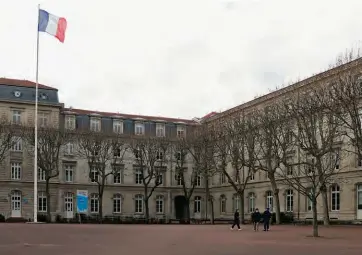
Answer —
(16, 204)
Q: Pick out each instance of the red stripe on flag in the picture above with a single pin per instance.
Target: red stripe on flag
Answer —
(62, 26)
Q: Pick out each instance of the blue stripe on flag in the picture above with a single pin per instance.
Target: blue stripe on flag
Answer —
(43, 20)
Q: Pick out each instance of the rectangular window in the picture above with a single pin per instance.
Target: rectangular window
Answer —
(94, 175)
(16, 117)
(69, 173)
(198, 180)
(69, 149)
(179, 179)
(159, 179)
(309, 202)
(139, 204)
(117, 177)
(16, 144)
(159, 204)
(138, 176)
(159, 155)
(42, 202)
(223, 205)
(252, 175)
(139, 129)
(41, 174)
(197, 204)
(160, 130)
(181, 131)
(70, 122)
(289, 201)
(222, 178)
(336, 198)
(95, 124)
(43, 119)
(94, 203)
(118, 126)
(117, 199)
(15, 171)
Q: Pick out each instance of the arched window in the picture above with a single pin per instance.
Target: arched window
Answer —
(269, 200)
(222, 204)
(335, 196)
(159, 204)
(94, 203)
(251, 202)
(117, 203)
(289, 201)
(197, 204)
(138, 204)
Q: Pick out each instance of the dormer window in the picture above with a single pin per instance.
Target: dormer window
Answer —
(160, 130)
(117, 126)
(70, 122)
(139, 128)
(181, 131)
(95, 124)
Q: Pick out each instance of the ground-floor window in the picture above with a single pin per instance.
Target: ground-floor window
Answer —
(94, 203)
(335, 196)
(117, 199)
(159, 204)
(42, 202)
(139, 204)
(289, 201)
(197, 204)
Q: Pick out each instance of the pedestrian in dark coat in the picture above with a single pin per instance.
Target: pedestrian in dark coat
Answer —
(255, 218)
(236, 220)
(266, 218)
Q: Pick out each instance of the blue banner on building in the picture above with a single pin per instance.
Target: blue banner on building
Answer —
(82, 201)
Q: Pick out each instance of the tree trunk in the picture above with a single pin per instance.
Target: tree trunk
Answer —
(47, 191)
(325, 206)
(315, 217)
(188, 213)
(276, 202)
(207, 193)
(147, 210)
(100, 201)
(242, 207)
(212, 211)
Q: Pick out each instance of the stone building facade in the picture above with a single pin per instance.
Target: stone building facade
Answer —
(123, 195)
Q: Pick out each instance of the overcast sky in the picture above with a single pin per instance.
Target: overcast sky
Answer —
(176, 58)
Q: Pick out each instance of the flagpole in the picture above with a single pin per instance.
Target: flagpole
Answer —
(36, 126)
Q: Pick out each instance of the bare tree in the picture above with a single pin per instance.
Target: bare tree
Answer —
(151, 157)
(346, 90)
(104, 154)
(202, 148)
(10, 135)
(49, 145)
(187, 179)
(319, 139)
(240, 138)
(274, 137)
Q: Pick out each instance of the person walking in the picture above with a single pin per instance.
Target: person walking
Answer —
(266, 218)
(255, 218)
(236, 220)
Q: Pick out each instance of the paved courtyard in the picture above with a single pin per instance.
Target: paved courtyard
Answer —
(43, 239)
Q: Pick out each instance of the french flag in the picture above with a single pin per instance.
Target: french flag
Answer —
(52, 25)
